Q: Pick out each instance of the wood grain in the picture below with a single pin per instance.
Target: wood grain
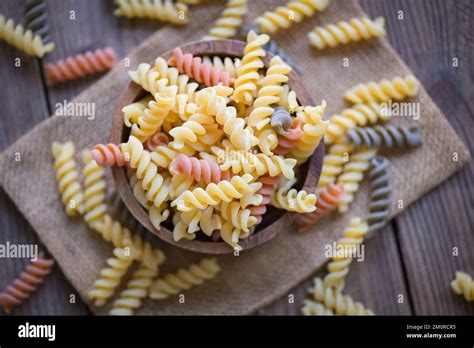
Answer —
(279, 220)
(417, 248)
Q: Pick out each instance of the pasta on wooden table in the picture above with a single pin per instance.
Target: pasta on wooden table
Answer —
(161, 10)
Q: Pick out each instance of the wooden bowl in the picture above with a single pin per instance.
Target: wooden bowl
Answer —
(274, 221)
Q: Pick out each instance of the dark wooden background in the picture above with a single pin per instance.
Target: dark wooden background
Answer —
(412, 257)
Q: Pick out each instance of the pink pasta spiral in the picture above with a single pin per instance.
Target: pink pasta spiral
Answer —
(157, 139)
(269, 185)
(21, 288)
(200, 170)
(88, 63)
(288, 141)
(202, 72)
(328, 199)
(109, 154)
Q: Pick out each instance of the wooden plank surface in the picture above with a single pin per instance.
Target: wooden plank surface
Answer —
(431, 33)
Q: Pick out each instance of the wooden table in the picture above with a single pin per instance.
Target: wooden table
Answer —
(408, 266)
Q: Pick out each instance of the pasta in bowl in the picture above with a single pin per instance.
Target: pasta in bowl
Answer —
(220, 145)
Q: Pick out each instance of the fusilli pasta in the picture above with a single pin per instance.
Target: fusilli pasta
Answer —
(294, 200)
(184, 279)
(289, 140)
(201, 170)
(23, 40)
(281, 120)
(397, 88)
(28, 281)
(343, 32)
(67, 177)
(463, 285)
(161, 10)
(36, 18)
(230, 20)
(94, 189)
(380, 190)
(333, 162)
(314, 308)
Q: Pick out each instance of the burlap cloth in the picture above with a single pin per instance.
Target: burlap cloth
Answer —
(260, 275)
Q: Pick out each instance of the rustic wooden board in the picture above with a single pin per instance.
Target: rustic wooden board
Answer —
(426, 232)
(24, 105)
(428, 40)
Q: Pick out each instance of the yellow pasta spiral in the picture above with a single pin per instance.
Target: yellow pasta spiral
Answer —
(139, 285)
(184, 279)
(188, 132)
(284, 16)
(267, 140)
(269, 93)
(213, 194)
(231, 65)
(353, 174)
(314, 129)
(212, 102)
(463, 285)
(23, 40)
(94, 189)
(249, 163)
(230, 20)
(357, 115)
(155, 185)
(335, 300)
(161, 10)
(313, 308)
(67, 177)
(164, 155)
(344, 32)
(105, 286)
(338, 267)
(152, 118)
(158, 215)
(397, 88)
(240, 218)
(333, 162)
(247, 75)
(294, 200)
(133, 111)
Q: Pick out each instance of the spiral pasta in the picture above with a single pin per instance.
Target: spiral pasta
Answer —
(152, 118)
(342, 33)
(201, 71)
(333, 299)
(133, 111)
(201, 170)
(294, 200)
(28, 281)
(313, 308)
(289, 140)
(22, 40)
(139, 285)
(109, 154)
(293, 12)
(240, 217)
(211, 103)
(213, 194)
(184, 279)
(463, 285)
(385, 137)
(269, 92)
(328, 200)
(81, 65)
(338, 267)
(110, 277)
(36, 18)
(161, 10)
(247, 75)
(314, 129)
(155, 185)
(231, 65)
(261, 164)
(357, 115)
(157, 139)
(380, 190)
(397, 88)
(269, 185)
(289, 100)
(333, 162)
(230, 20)
(67, 177)
(94, 189)
(281, 120)
(352, 174)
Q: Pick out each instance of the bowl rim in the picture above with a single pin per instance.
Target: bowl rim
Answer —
(228, 48)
